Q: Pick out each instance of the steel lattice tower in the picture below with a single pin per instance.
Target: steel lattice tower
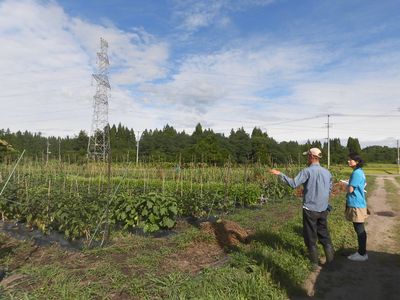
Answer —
(99, 138)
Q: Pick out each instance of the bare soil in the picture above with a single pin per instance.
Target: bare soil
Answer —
(377, 278)
(224, 236)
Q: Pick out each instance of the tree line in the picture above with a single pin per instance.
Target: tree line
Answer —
(202, 146)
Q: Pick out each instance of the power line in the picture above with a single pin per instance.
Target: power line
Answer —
(47, 79)
(366, 115)
(40, 92)
(39, 70)
(296, 120)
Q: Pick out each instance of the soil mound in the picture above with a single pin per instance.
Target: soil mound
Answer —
(224, 234)
(227, 233)
(339, 187)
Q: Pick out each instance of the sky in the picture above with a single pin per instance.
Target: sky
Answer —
(280, 65)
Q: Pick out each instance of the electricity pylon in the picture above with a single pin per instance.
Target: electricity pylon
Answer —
(99, 138)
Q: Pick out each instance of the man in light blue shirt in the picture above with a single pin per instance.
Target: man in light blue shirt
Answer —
(317, 183)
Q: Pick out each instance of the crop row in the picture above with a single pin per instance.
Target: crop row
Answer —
(76, 206)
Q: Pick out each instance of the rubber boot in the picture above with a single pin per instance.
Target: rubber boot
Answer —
(313, 256)
(2, 274)
(329, 253)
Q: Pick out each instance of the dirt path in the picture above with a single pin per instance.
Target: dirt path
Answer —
(377, 278)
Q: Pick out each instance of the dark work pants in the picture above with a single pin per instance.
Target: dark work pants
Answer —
(361, 237)
(315, 226)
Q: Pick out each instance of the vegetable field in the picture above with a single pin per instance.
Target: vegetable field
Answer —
(77, 200)
(197, 262)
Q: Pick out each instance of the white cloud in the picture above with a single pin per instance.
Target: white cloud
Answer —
(47, 58)
(236, 75)
(235, 88)
(198, 14)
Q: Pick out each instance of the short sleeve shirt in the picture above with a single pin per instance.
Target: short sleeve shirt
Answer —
(357, 197)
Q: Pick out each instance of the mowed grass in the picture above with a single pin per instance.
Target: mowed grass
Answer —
(273, 265)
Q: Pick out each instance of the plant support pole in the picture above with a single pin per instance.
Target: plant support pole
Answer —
(12, 172)
(398, 158)
(106, 233)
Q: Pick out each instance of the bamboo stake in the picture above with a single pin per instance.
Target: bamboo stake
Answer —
(12, 172)
(201, 183)
(163, 181)
(26, 192)
(76, 186)
(144, 181)
(49, 189)
(191, 180)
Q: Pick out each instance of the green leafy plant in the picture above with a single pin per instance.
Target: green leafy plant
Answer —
(156, 211)
(125, 212)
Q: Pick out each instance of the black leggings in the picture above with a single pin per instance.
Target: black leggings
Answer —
(361, 237)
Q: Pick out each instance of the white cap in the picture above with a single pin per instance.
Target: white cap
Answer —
(314, 152)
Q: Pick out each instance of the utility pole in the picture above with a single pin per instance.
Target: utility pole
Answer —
(329, 146)
(137, 148)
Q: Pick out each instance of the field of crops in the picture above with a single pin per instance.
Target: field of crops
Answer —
(380, 168)
(81, 201)
(77, 200)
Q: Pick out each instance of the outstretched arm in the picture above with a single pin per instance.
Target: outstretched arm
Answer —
(294, 183)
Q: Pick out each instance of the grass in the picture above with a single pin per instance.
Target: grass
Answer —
(380, 169)
(272, 266)
(393, 193)
(344, 172)
(371, 184)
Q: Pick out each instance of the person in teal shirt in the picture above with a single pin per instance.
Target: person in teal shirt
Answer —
(356, 205)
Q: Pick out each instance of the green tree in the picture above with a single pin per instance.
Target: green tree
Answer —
(209, 149)
(380, 154)
(338, 153)
(292, 152)
(241, 145)
(353, 145)
(259, 146)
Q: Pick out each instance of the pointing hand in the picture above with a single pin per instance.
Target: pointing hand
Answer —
(275, 172)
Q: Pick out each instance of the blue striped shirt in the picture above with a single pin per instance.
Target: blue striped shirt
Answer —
(317, 183)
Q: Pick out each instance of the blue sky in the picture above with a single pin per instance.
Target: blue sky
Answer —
(281, 65)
